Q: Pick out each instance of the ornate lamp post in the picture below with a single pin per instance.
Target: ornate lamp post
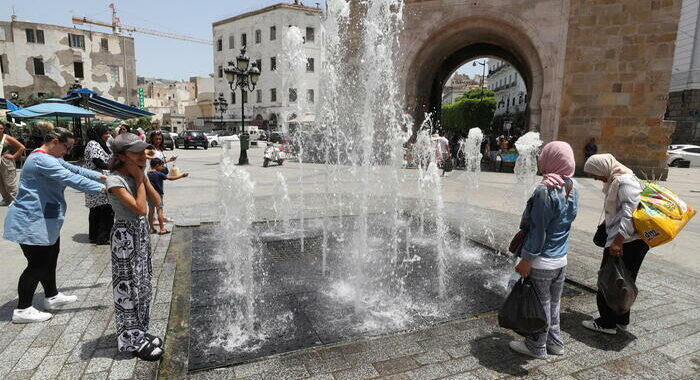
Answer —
(245, 76)
(483, 73)
(220, 106)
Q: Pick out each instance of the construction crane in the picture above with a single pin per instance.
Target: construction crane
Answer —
(117, 28)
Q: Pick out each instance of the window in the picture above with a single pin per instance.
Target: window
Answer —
(258, 64)
(244, 40)
(76, 41)
(104, 44)
(3, 64)
(273, 95)
(233, 97)
(219, 44)
(273, 64)
(273, 33)
(310, 35)
(231, 42)
(78, 70)
(258, 96)
(221, 72)
(692, 150)
(292, 95)
(520, 99)
(310, 65)
(2, 33)
(39, 36)
(38, 66)
(245, 97)
(310, 96)
(114, 71)
(258, 36)
(30, 36)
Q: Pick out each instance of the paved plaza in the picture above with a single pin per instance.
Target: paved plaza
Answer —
(663, 341)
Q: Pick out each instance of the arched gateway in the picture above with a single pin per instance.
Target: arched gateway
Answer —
(593, 68)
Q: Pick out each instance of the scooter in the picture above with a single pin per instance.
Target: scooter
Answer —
(273, 152)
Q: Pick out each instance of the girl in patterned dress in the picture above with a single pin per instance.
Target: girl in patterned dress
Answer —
(97, 156)
(131, 248)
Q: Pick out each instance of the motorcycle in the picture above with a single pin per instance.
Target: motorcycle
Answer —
(273, 152)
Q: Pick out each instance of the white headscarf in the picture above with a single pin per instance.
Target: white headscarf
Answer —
(605, 165)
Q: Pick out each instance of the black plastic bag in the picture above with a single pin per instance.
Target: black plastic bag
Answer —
(522, 310)
(616, 284)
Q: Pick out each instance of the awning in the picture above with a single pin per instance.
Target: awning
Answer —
(8, 105)
(51, 109)
(105, 106)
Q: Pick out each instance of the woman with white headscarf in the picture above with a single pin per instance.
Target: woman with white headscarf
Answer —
(622, 192)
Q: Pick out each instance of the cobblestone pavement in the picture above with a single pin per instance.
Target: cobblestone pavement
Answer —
(79, 343)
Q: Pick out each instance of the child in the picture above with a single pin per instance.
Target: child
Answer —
(131, 247)
(156, 176)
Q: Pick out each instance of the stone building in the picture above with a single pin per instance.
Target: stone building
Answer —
(509, 86)
(458, 84)
(684, 91)
(593, 68)
(41, 59)
(263, 32)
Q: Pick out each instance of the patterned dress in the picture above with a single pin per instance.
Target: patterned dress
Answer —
(94, 150)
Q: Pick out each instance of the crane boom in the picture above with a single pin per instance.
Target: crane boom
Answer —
(116, 28)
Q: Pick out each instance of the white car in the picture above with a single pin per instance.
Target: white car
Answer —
(683, 152)
(223, 136)
(213, 139)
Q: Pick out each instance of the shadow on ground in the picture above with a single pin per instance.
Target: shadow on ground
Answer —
(81, 238)
(571, 323)
(493, 353)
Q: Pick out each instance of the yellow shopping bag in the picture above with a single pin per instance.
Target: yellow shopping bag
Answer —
(661, 214)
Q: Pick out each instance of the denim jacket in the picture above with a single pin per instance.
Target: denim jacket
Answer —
(36, 216)
(547, 219)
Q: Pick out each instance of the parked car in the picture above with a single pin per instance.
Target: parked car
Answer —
(224, 136)
(187, 139)
(687, 152)
(213, 139)
(168, 141)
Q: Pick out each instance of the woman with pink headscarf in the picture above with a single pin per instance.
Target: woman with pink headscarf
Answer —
(622, 193)
(546, 223)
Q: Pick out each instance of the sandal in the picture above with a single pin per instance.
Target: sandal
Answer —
(163, 232)
(153, 231)
(146, 352)
(154, 340)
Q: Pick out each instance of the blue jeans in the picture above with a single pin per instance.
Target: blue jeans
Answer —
(549, 285)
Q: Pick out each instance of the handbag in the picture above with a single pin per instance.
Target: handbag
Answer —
(601, 236)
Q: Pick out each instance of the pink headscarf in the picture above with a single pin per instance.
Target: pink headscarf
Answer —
(556, 163)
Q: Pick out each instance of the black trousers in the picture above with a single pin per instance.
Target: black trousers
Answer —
(633, 254)
(41, 267)
(100, 222)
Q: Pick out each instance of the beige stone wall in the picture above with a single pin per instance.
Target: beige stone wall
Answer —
(617, 72)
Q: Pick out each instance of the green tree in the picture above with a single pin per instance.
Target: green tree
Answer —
(473, 109)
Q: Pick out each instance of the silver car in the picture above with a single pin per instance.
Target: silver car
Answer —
(677, 153)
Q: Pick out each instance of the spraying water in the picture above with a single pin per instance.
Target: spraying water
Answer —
(525, 170)
(471, 149)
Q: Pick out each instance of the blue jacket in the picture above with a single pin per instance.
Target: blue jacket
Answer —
(547, 218)
(36, 216)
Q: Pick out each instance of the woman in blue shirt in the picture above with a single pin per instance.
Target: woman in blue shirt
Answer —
(547, 221)
(35, 219)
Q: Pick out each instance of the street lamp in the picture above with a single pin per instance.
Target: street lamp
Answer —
(483, 73)
(220, 106)
(244, 76)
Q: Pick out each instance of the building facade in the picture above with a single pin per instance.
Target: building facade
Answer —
(262, 33)
(684, 90)
(46, 60)
(509, 86)
(458, 84)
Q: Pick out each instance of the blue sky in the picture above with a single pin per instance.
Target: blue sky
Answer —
(155, 56)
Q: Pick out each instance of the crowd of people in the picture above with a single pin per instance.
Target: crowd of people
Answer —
(123, 181)
(123, 195)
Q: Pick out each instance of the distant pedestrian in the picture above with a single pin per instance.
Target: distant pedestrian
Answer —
(442, 153)
(35, 218)
(156, 140)
(131, 248)
(546, 224)
(622, 195)
(11, 150)
(156, 175)
(141, 134)
(590, 149)
(97, 156)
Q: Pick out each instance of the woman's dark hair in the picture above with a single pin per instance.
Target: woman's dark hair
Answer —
(95, 133)
(52, 132)
(152, 138)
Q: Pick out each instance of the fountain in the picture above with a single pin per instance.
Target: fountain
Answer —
(361, 258)
(525, 170)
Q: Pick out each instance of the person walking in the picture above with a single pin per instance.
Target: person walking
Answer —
(546, 223)
(622, 195)
(10, 150)
(442, 152)
(590, 149)
(35, 218)
(131, 248)
(97, 156)
(157, 141)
